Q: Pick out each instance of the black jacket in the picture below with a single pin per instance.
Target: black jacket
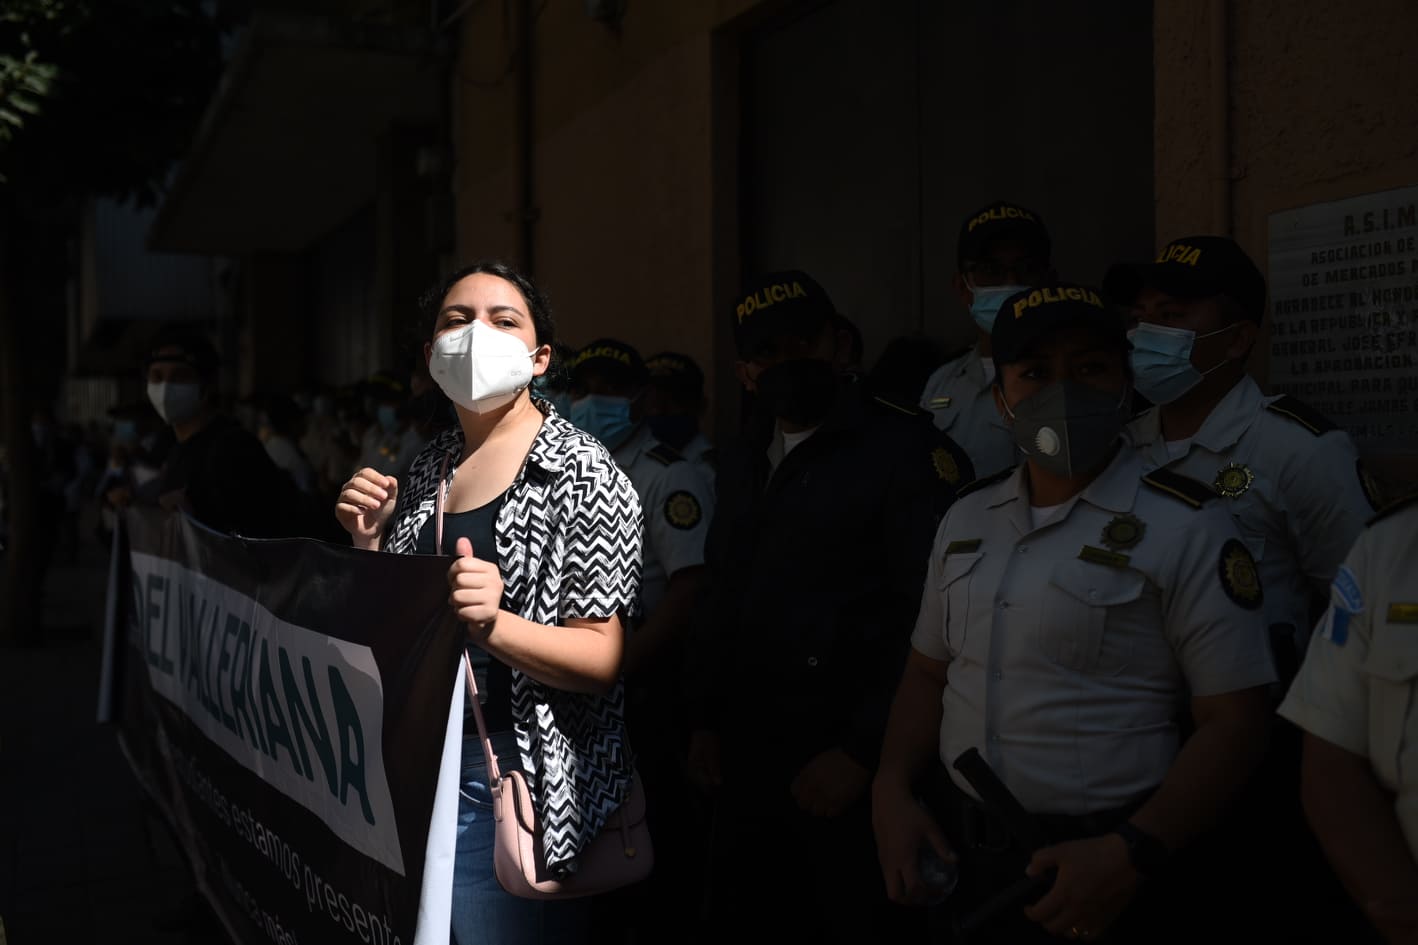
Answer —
(816, 579)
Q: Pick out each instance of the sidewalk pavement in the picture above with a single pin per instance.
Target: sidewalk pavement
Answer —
(81, 858)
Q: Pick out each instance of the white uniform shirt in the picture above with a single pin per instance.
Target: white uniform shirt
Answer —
(1296, 494)
(678, 499)
(699, 450)
(1073, 646)
(1358, 687)
(961, 403)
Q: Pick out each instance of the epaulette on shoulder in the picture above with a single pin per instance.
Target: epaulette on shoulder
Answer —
(979, 484)
(1302, 413)
(665, 455)
(1193, 492)
(910, 411)
(1397, 505)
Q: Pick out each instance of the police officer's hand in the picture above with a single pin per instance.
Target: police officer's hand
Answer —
(1096, 880)
(365, 504)
(903, 828)
(476, 587)
(829, 783)
(705, 762)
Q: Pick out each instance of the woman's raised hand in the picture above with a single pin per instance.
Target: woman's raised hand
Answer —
(476, 587)
(365, 505)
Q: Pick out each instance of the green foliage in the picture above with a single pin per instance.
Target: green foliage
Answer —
(101, 96)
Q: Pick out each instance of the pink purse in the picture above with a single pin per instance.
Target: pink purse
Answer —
(618, 856)
(621, 854)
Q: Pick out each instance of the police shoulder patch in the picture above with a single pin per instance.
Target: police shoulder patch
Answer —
(979, 484)
(946, 468)
(682, 510)
(1345, 591)
(1397, 505)
(1240, 578)
(665, 455)
(1193, 492)
(1302, 413)
(1346, 600)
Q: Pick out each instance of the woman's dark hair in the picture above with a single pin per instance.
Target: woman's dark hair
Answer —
(194, 348)
(537, 305)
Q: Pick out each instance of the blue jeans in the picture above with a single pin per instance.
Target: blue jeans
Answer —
(482, 911)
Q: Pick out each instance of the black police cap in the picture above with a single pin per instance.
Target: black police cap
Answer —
(1026, 317)
(1193, 267)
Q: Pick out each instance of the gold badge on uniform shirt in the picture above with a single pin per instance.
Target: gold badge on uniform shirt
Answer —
(1239, 578)
(1402, 613)
(945, 466)
(1123, 531)
(682, 510)
(1233, 480)
(962, 547)
(938, 402)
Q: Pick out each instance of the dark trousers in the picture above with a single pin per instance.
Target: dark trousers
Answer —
(670, 904)
(778, 874)
(1271, 873)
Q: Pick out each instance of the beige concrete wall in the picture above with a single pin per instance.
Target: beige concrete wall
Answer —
(624, 173)
(1319, 106)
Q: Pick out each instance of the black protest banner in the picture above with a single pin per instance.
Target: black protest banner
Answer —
(288, 704)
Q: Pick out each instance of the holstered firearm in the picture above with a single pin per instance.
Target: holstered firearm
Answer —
(999, 801)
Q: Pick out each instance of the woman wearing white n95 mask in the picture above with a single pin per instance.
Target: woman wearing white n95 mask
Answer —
(547, 533)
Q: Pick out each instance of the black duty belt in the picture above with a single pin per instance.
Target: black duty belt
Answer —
(970, 826)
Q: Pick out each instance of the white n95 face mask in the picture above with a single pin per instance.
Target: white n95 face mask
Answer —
(479, 367)
(175, 402)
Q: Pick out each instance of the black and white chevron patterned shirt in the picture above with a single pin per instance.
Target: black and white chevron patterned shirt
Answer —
(568, 543)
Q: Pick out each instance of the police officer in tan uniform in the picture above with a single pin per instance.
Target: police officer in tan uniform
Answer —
(1356, 697)
(1073, 609)
(1002, 248)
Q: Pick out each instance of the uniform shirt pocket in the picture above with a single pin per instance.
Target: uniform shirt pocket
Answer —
(1392, 666)
(1074, 624)
(954, 587)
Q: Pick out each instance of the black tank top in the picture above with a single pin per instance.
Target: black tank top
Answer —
(479, 526)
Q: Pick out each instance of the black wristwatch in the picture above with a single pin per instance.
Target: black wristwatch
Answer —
(1148, 854)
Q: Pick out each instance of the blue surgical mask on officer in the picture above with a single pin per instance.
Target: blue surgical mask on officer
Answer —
(388, 415)
(985, 302)
(1162, 360)
(605, 417)
(125, 432)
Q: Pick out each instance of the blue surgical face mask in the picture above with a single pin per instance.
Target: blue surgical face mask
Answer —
(986, 300)
(604, 417)
(1162, 361)
(388, 416)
